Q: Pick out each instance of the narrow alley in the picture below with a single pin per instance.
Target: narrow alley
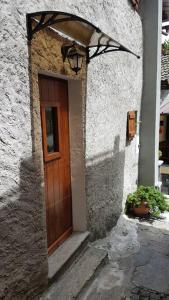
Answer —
(84, 145)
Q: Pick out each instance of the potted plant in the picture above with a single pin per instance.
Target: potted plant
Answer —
(146, 200)
(165, 48)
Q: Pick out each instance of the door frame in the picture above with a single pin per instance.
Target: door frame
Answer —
(76, 107)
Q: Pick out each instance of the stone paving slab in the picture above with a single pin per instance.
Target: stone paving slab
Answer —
(108, 285)
(143, 272)
(154, 273)
(145, 294)
(77, 276)
(138, 266)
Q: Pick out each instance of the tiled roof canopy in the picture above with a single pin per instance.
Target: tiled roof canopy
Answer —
(165, 10)
(165, 67)
(164, 109)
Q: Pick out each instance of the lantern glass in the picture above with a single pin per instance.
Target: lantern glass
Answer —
(75, 60)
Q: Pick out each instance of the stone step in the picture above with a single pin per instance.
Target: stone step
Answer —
(65, 255)
(78, 276)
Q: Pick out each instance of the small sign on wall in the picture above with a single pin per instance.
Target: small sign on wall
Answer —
(131, 124)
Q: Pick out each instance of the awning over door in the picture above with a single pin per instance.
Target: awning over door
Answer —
(76, 28)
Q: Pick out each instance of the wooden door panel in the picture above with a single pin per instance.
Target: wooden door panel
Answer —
(55, 136)
(49, 179)
(66, 208)
(53, 90)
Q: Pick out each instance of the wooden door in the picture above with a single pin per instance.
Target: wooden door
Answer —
(55, 137)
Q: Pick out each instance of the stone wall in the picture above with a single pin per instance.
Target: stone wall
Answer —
(114, 85)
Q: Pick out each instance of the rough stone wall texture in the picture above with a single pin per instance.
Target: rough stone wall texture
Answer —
(112, 165)
(114, 87)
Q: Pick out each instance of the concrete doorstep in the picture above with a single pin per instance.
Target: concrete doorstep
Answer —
(63, 256)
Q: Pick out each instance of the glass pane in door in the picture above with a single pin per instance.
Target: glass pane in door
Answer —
(52, 136)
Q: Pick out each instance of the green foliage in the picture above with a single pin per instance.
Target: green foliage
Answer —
(152, 196)
(165, 45)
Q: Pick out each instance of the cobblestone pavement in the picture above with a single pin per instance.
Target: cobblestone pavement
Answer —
(138, 262)
(145, 294)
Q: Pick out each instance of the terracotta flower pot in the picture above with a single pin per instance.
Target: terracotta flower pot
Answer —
(141, 210)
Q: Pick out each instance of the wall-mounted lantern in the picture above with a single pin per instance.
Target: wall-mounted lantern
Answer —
(74, 56)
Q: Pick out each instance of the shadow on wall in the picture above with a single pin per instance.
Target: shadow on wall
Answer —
(104, 190)
(23, 246)
(23, 265)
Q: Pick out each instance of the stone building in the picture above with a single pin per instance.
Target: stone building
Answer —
(65, 153)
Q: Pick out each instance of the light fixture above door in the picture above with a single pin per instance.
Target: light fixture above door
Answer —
(73, 55)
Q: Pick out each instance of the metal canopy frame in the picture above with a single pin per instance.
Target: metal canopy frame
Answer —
(102, 49)
(45, 19)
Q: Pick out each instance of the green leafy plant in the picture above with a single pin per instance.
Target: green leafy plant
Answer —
(154, 199)
(165, 48)
(165, 45)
